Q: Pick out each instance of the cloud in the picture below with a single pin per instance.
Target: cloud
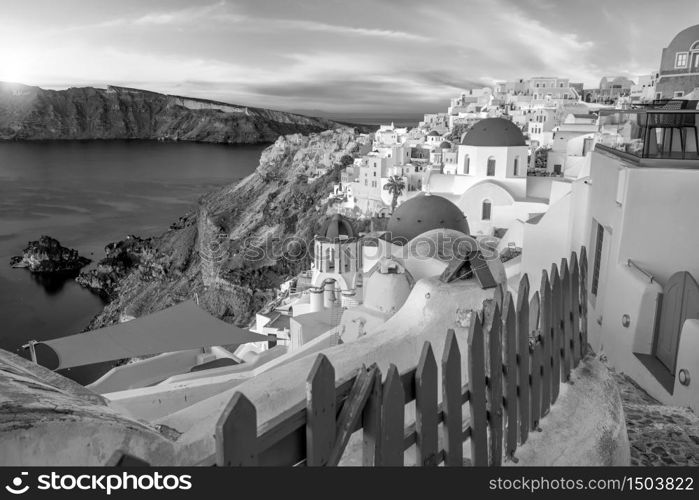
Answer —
(346, 30)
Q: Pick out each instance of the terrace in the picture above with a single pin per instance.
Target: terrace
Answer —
(666, 132)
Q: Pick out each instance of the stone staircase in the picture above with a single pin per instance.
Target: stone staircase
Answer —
(659, 435)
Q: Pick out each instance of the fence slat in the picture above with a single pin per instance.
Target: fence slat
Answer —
(371, 424)
(534, 312)
(583, 300)
(535, 393)
(556, 332)
(451, 401)
(392, 419)
(523, 355)
(351, 413)
(477, 399)
(546, 340)
(236, 433)
(565, 319)
(510, 335)
(426, 421)
(575, 307)
(495, 395)
(320, 412)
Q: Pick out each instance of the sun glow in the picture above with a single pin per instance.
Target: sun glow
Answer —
(13, 68)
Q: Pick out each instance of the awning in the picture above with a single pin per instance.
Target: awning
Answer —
(178, 328)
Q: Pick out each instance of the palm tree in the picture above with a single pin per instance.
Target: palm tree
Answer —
(395, 186)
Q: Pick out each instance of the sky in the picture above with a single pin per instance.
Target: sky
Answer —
(332, 57)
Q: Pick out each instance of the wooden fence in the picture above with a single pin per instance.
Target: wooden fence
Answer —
(518, 355)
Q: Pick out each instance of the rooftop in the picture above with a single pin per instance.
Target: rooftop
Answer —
(652, 133)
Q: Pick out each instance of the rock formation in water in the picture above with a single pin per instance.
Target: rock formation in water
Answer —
(32, 113)
(214, 252)
(48, 256)
(122, 257)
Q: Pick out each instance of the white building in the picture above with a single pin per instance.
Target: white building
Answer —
(635, 210)
(490, 180)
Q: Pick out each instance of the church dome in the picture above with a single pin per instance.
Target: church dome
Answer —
(445, 145)
(337, 228)
(425, 212)
(494, 132)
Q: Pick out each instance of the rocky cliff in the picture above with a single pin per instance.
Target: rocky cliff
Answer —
(32, 113)
(243, 240)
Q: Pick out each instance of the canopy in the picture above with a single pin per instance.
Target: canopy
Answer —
(178, 328)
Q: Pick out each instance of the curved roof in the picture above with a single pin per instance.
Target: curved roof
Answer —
(494, 132)
(445, 145)
(433, 133)
(387, 286)
(425, 212)
(337, 228)
(681, 42)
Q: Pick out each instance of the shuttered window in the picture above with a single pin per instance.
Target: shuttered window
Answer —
(598, 259)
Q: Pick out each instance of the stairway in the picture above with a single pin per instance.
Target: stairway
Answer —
(659, 435)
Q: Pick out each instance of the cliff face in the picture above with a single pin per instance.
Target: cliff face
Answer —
(243, 241)
(32, 113)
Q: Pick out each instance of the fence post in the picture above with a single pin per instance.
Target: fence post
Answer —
(510, 324)
(320, 412)
(371, 425)
(495, 386)
(523, 353)
(556, 332)
(426, 421)
(575, 307)
(236, 433)
(477, 401)
(565, 320)
(536, 354)
(546, 340)
(451, 401)
(583, 301)
(392, 418)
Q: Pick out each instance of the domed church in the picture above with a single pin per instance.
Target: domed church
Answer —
(423, 213)
(490, 183)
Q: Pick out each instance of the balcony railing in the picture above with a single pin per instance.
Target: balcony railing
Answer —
(651, 133)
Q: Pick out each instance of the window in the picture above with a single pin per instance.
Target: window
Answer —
(485, 211)
(467, 164)
(598, 259)
(681, 60)
(491, 167)
(678, 93)
(516, 165)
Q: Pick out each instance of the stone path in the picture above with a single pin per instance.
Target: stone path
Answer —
(658, 435)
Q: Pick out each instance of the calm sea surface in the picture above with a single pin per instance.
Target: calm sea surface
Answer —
(87, 194)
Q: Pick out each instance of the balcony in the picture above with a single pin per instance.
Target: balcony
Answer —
(652, 134)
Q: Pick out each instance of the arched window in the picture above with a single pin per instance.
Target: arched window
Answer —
(491, 167)
(467, 164)
(330, 253)
(516, 166)
(485, 211)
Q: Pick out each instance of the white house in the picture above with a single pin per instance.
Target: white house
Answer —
(635, 209)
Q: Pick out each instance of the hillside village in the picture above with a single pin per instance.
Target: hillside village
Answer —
(536, 194)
